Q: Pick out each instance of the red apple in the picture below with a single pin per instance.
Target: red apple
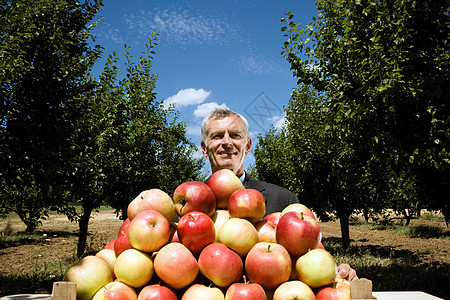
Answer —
(196, 230)
(174, 238)
(202, 292)
(274, 217)
(245, 291)
(173, 233)
(89, 274)
(124, 227)
(294, 289)
(115, 290)
(134, 268)
(154, 199)
(316, 268)
(298, 207)
(194, 196)
(339, 290)
(247, 204)
(157, 292)
(122, 243)
(223, 183)
(219, 217)
(149, 231)
(220, 264)
(239, 235)
(298, 233)
(266, 231)
(268, 264)
(110, 244)
(176, 265)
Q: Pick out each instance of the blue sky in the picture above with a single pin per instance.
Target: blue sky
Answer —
(210, 53)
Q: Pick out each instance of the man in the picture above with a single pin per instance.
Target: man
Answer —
(226, 142)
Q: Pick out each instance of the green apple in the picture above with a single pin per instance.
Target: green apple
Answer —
(134, 268)
(89, 274)
(238, 234)
(203, 292)
(294, 289)
(316, 268)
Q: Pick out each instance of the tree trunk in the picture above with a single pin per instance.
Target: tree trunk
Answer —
(124, 209)
(83, 226)
(345, 228)
(31, 226)
(366, 215)
(407, 215)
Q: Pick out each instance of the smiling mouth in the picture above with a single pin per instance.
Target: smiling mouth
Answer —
(227, 153)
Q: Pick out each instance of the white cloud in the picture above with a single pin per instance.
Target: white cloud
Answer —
(193, 130)
(203, 110)
(198, 153)
(278, 120)
(183, 26)
(187, 97)
(255, 64)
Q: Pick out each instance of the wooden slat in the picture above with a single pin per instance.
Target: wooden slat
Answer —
(361, 289)
(64, 290)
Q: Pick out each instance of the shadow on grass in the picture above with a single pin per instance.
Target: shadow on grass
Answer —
(24, 238)
(413, 231)
(400, 270)
(425, 231)
(27, 284)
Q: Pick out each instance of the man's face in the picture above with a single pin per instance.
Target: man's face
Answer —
(226, 144)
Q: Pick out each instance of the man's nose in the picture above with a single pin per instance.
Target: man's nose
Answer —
(226, 140)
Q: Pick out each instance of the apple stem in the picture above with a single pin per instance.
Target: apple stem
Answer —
(245, 279)
(301, 215)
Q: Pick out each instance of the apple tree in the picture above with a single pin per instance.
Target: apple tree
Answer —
(124, 141)
(44, 54)
(315, 162)
(383, 67)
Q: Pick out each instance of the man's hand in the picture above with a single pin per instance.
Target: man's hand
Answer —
(346, 272)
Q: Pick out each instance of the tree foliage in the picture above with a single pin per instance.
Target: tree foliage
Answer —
(124, 141)
(368, 125)
(44, 54)
(384, 66)
(69, 139)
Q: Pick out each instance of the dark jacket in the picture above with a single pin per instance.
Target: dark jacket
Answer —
(277, 197)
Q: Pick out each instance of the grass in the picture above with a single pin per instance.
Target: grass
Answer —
(41, 276)
(391, 269)
(412, 231)
(422, 231)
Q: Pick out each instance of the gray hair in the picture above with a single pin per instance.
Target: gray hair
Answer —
(220, 113)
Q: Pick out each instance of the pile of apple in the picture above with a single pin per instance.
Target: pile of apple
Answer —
(220, 248)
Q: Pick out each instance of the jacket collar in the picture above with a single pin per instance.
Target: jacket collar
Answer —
(252, 183)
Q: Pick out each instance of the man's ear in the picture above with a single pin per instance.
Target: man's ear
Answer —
(203, 146)
(248, 147)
